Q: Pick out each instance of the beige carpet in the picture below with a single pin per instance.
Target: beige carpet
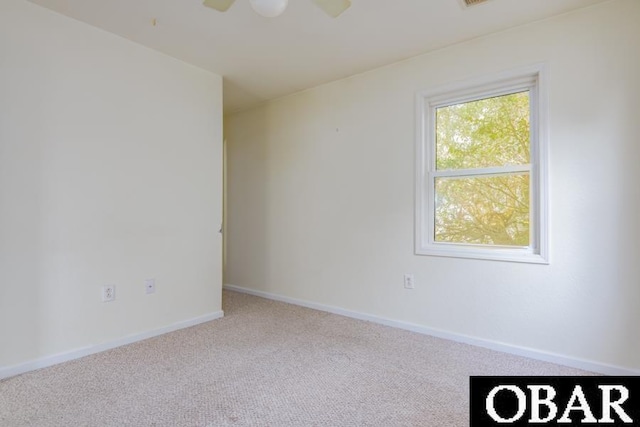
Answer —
(264, 364)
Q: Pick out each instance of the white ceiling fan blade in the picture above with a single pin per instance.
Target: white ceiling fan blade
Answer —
(333, 7)
(219, 5)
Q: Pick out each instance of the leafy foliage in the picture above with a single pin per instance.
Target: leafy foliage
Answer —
(481, 208)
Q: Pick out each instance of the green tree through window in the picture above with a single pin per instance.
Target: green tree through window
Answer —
(477, 203)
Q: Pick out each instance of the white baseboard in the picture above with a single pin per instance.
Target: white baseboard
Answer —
(44, 362)
(558, 359)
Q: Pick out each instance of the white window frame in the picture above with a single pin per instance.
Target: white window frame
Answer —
(532, 79)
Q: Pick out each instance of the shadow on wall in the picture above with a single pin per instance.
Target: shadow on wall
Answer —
(23, 189)
(626, 214)
(247, 186)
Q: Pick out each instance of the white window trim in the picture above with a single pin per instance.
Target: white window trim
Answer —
(532, 78)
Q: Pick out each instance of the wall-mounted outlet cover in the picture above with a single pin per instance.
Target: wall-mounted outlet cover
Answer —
(409, 281)
(108, 293)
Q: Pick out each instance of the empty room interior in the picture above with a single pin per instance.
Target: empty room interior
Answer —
(325, 212)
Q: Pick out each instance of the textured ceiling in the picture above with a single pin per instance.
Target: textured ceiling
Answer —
(262, 58)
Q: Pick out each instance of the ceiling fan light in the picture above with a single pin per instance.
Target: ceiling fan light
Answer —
(269, 8)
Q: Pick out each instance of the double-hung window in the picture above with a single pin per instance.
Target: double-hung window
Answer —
(481, 170)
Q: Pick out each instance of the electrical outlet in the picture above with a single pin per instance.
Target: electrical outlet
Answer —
(150, 286)
(108, 293)
(409, 281)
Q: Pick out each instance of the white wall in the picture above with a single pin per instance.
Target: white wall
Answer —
(110, 173)
(321, 196)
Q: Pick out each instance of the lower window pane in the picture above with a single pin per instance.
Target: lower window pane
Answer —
(490, 210)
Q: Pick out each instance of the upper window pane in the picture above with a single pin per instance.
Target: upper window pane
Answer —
(488, 132)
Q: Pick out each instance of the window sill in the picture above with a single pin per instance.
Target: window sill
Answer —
(524, 255)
